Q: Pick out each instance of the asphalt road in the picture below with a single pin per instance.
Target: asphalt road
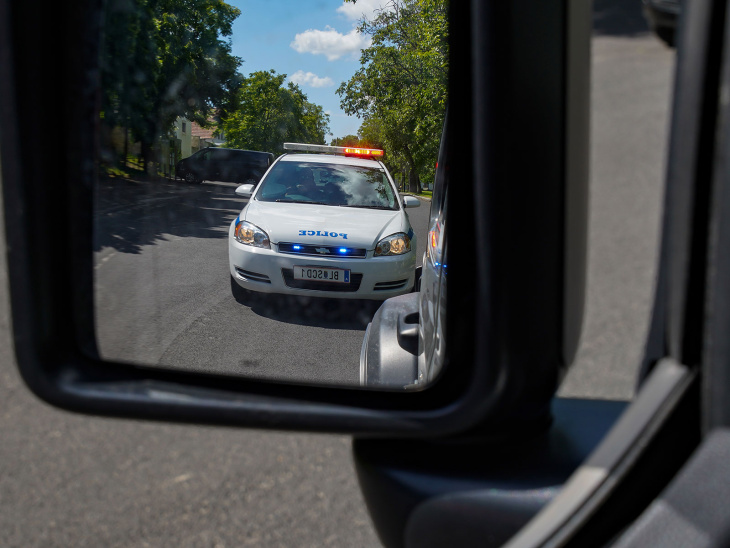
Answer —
(68, 480)
(164, 299)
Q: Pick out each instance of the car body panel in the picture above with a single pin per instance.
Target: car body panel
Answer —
(389, 357)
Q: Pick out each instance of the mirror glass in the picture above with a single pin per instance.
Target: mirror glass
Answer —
(198, 98)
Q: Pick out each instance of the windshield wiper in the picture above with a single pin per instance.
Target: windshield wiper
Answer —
(369, 206)
(302, 202)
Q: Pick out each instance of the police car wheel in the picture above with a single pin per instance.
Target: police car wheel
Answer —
(240, 294)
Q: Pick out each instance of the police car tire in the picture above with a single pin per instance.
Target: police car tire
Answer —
(239, 293)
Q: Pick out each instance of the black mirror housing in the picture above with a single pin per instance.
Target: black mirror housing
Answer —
(519, 83)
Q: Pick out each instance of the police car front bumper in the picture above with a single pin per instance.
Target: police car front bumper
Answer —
(270, 271)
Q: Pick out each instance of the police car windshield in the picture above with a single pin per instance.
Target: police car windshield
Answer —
(328, 184)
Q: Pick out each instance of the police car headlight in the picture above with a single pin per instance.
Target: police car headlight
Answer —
(395, 244)
(249, 234)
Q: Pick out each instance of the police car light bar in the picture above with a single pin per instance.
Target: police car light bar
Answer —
(347, 151)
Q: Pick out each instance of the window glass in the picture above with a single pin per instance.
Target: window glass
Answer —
(186, 85)
(336, 185)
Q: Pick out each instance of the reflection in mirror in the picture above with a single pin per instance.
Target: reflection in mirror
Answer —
(218, 248)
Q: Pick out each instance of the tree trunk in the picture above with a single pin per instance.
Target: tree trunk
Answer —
(126, 147)
(147, 163)
(414, 184)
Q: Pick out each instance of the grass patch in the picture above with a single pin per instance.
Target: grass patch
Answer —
(131, 169)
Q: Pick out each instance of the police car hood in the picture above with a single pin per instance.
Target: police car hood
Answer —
(324, 225)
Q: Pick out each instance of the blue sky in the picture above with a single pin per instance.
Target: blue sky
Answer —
(313, 42)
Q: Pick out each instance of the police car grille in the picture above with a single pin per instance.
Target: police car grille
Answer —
(253, 276)
(354, 285)
(386, 286)
(322, 250)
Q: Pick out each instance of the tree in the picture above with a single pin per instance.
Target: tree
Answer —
(268, 113)
(373, 134)
(346, 141)
(400, 88)
(166, 58)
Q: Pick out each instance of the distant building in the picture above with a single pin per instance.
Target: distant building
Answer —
(192, 137)
(185, 138)
(183, 133)
(206, 137)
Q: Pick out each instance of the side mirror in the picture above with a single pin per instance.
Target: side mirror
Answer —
(411, 201)
(511, 329)
(244, 191)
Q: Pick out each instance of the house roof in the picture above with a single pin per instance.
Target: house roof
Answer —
(203, 133)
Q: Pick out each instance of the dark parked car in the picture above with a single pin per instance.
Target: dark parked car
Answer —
(225, 164)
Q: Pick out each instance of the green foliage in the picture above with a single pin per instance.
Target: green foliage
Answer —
(346, 141)
(162, 59)
(268, 113)
(400, 89)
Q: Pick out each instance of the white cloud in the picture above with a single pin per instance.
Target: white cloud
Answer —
(330, 43)
(310, 79)
(363, 8)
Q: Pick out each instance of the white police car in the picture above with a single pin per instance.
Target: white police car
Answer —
(330, 224)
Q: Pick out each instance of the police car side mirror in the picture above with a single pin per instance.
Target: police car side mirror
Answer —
(244, 191)
(411, 201)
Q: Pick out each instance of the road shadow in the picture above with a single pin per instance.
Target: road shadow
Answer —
(348, 314)
(619, 18)
(129, 214)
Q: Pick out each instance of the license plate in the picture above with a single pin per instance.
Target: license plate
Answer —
(336, 275)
